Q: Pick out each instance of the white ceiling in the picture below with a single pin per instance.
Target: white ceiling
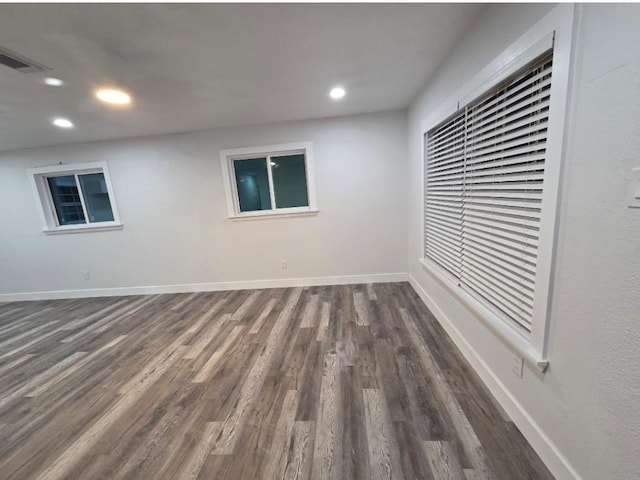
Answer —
(192, 67)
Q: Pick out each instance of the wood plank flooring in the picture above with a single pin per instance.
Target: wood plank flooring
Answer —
(338, 382)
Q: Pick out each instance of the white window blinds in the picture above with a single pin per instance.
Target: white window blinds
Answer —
(484, 177)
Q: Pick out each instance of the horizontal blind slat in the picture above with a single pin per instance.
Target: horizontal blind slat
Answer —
(444, 146)
(514, 87)
(498, 188)
(499, 231)
(445, 203)
(508, 282)
(444, 264)
(529, 94)
(450, 227)
(531, 115)
(497, 137)
(531, 141)
(513, 256)
(502, 234)
(446, 153)
(539, 101)
(497, 303)
(454, 169)
(525, 273)
(525, 203)
(517, 251)
(453, 221)
(444, 131)
(438, 236)
(507, 178)
(507, 165)
(516, 153)
(517, 195)
(528, 212)
(506, 299)
(452, 253)
(449, 211)
(444, 258)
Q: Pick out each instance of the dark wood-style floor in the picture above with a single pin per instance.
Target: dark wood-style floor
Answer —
(323, 382)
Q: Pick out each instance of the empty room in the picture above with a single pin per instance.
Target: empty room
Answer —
(320, 241)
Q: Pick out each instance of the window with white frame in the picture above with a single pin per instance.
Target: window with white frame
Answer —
(76, 197)
(484, 185)
(491, 179)
(269, 180)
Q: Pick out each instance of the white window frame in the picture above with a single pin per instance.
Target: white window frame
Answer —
(48, 217)
(554, 30)
(228, 156)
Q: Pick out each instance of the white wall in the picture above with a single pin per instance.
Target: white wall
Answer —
(170, 197)
(588, 404)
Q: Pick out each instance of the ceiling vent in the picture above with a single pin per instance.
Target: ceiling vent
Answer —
(18, 62)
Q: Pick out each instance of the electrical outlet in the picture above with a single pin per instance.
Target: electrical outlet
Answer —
(517, 365)
(87, 275)
(283, 264)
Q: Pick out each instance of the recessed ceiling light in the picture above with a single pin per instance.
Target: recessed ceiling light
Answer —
(113, 96)
(337, 93)
(54, 82)
(62, 123)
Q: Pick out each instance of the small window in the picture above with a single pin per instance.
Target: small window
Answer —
(75, 198)
(271, 180)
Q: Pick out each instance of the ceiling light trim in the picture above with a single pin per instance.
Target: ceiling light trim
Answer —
(113, 96)
(337, 93)
(61, 122)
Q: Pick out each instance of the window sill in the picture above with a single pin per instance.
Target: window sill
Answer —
(83, 228)
(285, 213)
(493, 322)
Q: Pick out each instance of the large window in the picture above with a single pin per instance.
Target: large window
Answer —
(483, 191)
(492, 158)
(270, 180)
(75, 197)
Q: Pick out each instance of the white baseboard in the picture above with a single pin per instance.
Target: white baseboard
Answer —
(555, 461)
(205, 287)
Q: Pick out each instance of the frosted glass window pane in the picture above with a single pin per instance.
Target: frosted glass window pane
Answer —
(252, 184)
(289, 181)
(96, 197)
